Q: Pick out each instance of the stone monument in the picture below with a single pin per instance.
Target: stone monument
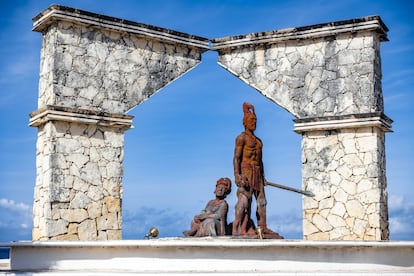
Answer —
(95, 68)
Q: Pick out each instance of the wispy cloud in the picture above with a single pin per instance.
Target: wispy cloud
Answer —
(405, 48)
(288, 224)
(401, 218)
(397, 78)
(16, 220)
(169, 222)
(12, 205)
(26, 66)
(172, 223)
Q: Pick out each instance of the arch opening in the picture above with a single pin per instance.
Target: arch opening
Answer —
(183, 141)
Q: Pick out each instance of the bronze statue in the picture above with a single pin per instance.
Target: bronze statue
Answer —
(212, 221)
(250, 180)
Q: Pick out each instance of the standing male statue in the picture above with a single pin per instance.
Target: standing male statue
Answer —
(250, 180)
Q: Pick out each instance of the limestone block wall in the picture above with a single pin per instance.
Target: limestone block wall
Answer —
(312, 71)
(329, 77)
(344, 169)
(78, 187)
(107, 64)
(94, 69)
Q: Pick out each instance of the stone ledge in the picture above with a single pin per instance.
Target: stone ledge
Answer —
(57, 12)
(56, 113)
(369, 23)
(376, 119)
(214, 255)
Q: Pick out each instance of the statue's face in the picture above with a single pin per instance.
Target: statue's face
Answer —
(221, 190)
(251, 123)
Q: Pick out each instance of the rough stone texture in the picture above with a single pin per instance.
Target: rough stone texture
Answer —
(344, 169)
(329, 77)
(73, 162)
(93, 70)
(83, 67)
(323, 77)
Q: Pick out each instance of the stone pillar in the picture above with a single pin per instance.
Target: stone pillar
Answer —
(78, 188)
(94, 69)
(329, 77)
(343, 164)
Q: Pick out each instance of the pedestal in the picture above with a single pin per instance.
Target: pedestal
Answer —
(219, 256)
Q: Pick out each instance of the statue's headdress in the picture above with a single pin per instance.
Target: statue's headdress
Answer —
(248, 110)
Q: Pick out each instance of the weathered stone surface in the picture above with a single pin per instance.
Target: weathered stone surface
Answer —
(87, 230)
(355, 209)
(336, 221)
(356, 191)
(56, 227)
(321, 223)
(310, 79)
(96, 67)
(77, 215)
(309, 228)
(114, 234)
(94, 209)
(107, 221)
(79, 201)
(112, 204)
(92, 74)
(73, 229)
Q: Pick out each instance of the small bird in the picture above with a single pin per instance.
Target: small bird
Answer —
(152, 233)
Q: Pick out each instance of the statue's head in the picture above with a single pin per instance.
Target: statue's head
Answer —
(249, 117)
(226, 182)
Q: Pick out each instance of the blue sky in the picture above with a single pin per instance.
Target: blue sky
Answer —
(183, 136)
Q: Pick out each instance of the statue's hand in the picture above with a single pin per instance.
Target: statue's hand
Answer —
(245, 182)
(239, 180)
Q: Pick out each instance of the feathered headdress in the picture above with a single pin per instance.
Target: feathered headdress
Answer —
(248, 110)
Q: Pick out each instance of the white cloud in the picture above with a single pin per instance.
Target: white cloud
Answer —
(401, 49)
(12, 205)
(16, 220)
(170, 223)
(395, 202)
(401, 218)
(399, 226)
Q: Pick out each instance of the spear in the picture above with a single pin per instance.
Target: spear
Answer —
(306, 193)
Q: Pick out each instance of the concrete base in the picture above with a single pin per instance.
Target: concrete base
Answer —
(212, 256)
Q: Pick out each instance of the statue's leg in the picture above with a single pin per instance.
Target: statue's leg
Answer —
(246, 217)
(194, 228)
(239, 215)
(261, 216)
(261, 208)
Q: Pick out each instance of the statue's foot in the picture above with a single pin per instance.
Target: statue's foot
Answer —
(189, 233)
(269, 234)
(248, 232)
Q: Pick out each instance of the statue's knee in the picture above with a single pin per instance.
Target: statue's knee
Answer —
(261, 202)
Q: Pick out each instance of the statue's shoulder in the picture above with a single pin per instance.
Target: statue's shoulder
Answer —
(241, 137)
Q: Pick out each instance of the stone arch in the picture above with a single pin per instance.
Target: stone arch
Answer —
(95, 68)
(329, 77)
